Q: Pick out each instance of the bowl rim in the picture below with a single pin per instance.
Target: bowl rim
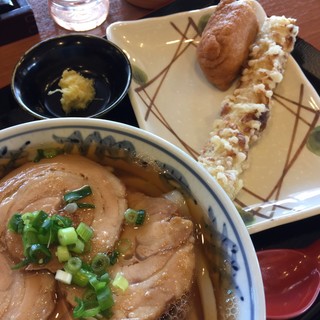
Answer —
(241, 233)
(65, 36)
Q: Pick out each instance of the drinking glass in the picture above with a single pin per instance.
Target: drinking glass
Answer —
(79, 15)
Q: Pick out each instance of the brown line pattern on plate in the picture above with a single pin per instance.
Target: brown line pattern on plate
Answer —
(163, 73)
(291, 157)
(255, 211)
(162, 120)
(289, 151)
(279, 99)
(151, 106)
(297, 153)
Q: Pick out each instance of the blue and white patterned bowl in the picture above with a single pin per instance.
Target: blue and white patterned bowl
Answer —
(16, 143)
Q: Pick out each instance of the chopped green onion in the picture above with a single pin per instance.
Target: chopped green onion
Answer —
(105, 298)
(107, 314)
(29, 229)
(91, 312)
(28, 218)
(135, 217)
(84, 231)
(86, 266)
(29, 237)
(79, 309)
(46, 226)
(16, 223)
(113, 257)
(124, 245)
(84, 205)
(21, 264)
(61, 221)
(120, 282)
(67, 236)
(105, 278)
(39, 253)
(47, 153)
(99, 263)
(63, 253)
(39, 231)
(77, 247)
(73, 265)
(63, 276)
(130, 216)
(77, 194)
(89, 297)
(81, 278)
(46, 239)
(96, 284)
(71, 207)
(47, 233)
(141, 214)
(39, 218)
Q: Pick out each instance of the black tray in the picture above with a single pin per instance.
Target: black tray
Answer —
(292, 235)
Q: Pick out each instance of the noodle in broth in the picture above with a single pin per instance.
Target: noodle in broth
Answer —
(212, 296)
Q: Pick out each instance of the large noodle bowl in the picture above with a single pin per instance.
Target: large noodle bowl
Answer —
(175, 265)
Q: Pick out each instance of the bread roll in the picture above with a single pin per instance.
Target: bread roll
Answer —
(225, 41)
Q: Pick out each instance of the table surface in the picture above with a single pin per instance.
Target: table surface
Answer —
(306, 12)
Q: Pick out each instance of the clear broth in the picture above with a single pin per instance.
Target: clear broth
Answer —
(148, 178)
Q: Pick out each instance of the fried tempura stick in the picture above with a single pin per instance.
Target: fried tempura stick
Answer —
(244, 114)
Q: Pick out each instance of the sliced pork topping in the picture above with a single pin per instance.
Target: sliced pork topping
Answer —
(160, 264)
(153, 296)
(155, 268)
(157, 208)
(41, 186)
(25, 295)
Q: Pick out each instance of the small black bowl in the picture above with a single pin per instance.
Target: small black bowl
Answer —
(40, 69)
